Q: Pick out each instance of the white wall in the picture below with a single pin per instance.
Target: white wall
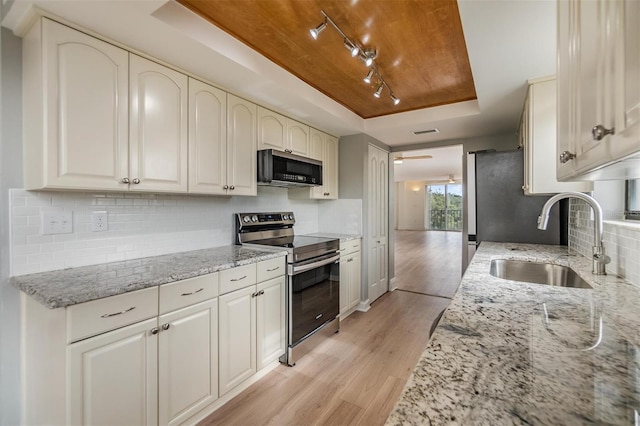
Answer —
(10, 175)
(410, 199)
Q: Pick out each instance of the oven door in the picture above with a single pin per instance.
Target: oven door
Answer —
(315, 295)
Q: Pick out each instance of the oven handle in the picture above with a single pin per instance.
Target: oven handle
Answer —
(303, 268)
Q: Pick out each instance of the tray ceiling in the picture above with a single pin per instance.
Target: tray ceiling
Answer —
(421, 48)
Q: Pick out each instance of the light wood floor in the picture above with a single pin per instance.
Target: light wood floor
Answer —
(353, 378)
(428, 262)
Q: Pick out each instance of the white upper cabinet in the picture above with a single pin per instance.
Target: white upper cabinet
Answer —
(241, 147)
(75, 110)
(598, 89)
(207, 139)
(272, 130)
(322, 147)
(538, 138)
(158, 127)
(297, 138)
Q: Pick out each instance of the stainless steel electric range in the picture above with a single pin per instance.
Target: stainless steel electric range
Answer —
(313, 277)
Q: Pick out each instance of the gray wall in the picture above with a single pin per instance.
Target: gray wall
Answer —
(10, 177)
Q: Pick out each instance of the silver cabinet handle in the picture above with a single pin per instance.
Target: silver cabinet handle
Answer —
(349, 260)
(193, 292)
(254, 294)
(166, 326)
(356, 246)
(599, 132)
(566, 156)
(117, 313)
(136, 181)
(125, 180)
(154, 331)
(232, 187)
(261, 292)
(274, 269)
(288, 150)
(225, 187)
(238, 279)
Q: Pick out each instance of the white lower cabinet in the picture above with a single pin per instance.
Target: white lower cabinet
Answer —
(187, 361)
(112, 378)
(350, 277)
(252, 331)
(163, 355)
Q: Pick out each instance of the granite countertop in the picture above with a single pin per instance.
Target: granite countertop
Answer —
(508, 352)
(57, 289)
(342, 237)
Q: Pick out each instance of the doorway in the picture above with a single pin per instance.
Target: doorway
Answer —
(428, 225)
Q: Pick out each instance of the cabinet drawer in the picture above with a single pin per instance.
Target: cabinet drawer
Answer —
(188, 292)
(268, 269)
(95, 317)
(237, 278)
(349, 246)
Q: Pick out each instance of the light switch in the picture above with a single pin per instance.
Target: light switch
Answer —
(56, 222)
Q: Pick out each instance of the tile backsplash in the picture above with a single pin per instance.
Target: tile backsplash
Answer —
(621, 241)
(142, 225)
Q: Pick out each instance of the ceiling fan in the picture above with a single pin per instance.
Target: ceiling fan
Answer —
(399, 159)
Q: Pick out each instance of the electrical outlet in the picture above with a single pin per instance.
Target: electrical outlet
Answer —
(99, 221)
(56, 222)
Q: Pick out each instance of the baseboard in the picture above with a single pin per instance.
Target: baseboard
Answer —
(392, 284)
(207, 411)
(364, 306)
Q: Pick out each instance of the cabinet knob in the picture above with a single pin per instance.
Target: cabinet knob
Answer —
(599, 132)
(232, 187)
(154, 331)
(225, 187)
(566, 156)
(166, 326)
(125, 180)
(288, 150)
(136, 181)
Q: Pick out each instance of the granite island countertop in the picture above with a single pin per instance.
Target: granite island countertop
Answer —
(342, 237)
(58, 289)
(508, 352)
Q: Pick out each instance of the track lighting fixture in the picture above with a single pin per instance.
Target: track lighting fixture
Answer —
(367, 56)
(378, 90)
(367, 79)
(351, 47)
(315, 32)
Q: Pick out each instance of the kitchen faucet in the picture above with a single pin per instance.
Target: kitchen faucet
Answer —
(599, 258)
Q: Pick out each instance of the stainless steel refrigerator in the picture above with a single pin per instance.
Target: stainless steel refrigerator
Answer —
(496, 208)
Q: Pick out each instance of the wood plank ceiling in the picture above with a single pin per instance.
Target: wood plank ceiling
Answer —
(420, 44)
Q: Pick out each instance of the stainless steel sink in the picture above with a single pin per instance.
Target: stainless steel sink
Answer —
(539, 273)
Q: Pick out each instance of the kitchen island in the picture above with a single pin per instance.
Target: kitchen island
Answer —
(508, 352)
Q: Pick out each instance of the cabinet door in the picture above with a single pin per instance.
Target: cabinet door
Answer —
(354, 279)
(330, 168)
(270, 323)
(188, 361)
(272, 130)
(377, 222)
(297, 138)
(237, 338)
(158, 127)
(317, 152)
(241, 147)
(345, 284)
(86, 111)
(207, 139)
(112, 378)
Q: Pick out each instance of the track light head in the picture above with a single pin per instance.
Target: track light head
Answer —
(395, 100)
(315, 32)
(369, 56)
(367, 79)
(351, 47)
(378, 90)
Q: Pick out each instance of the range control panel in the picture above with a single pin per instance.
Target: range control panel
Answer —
(246, 220)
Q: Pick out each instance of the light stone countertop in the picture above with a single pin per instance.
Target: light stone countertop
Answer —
(508, 352)
(342, 237)
(57, 289)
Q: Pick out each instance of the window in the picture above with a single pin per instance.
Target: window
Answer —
(444, 207)
(632, 199)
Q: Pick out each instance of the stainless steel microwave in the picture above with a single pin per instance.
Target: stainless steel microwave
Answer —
(279, 168)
